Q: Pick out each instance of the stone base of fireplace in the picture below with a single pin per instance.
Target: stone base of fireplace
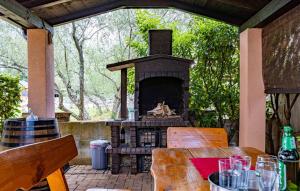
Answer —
(148, 123)
(173, 118)
(144, 137)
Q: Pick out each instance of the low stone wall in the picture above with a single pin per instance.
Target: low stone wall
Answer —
(84, 132)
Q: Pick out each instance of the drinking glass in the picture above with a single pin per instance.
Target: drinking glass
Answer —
(245, 162)
(265, 157)
(236, 172)
(267, 174)
(130, 114)
(225, 173)
(271, 158)
(252, 181)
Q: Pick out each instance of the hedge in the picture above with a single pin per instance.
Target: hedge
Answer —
(10, 97)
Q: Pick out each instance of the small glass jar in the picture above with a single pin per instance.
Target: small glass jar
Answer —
(131, 114)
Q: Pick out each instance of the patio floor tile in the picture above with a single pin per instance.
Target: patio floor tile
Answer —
(82, 177)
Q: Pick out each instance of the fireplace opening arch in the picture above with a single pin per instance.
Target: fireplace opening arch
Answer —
(156, 90)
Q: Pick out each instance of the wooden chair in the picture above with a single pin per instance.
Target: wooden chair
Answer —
(193, 137)
(23, 167)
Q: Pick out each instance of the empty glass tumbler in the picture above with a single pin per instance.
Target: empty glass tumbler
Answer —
(271, 158)
(245, 163)
(225, 173)
(267, 173)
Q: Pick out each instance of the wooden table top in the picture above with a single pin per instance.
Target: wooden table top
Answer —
(172, 170)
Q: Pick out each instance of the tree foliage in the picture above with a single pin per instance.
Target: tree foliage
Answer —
(215, 77)
(83, 49)
(213, 46)
(10, 97)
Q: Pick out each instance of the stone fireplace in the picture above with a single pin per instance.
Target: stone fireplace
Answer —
(159, 78)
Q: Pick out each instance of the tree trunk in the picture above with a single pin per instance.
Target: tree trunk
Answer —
(79, 48)
(116, 104)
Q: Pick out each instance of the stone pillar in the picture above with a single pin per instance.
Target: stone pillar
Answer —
(40, 73)
(252, 97)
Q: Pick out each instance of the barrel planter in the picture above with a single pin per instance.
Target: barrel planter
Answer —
(18, 132)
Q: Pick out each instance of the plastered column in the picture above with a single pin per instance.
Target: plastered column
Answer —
(40, 73)
(252, 97)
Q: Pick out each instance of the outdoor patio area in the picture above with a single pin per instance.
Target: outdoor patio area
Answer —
(82, 177)
(149, 95)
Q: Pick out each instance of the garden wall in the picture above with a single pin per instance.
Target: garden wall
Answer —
(84, 132)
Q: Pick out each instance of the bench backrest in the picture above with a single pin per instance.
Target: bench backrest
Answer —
(23, 167)
(193, 137)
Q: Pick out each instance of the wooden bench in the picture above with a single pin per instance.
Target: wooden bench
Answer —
(23, 167)
(193, 137)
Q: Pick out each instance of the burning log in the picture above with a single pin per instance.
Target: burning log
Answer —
(161, 110)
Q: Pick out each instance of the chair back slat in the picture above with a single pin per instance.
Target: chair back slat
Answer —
(193, 137)
(25, 166)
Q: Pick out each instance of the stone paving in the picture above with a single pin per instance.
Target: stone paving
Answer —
(82, 177)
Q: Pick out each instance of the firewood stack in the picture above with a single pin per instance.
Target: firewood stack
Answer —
(161, 110)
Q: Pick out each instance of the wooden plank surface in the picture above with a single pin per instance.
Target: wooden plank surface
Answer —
(266, 13)
(172, 170)
(99, 189)
(191, 137)
(25, 166)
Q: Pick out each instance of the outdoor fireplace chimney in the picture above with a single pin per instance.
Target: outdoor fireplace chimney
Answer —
(160, 79)
(160, 42)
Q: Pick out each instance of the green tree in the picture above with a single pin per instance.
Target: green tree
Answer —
(215, 77)
(10, 97)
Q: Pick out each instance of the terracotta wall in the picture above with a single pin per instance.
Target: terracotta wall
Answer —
(84, 132)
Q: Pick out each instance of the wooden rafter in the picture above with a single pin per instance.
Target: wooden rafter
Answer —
(16, 12)
(117, 4)
(37, 4)
(268, 13)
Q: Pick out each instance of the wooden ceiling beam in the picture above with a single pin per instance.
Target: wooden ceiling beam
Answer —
(233, 20)
(88, 12)
(37, 4)
(268, 13)
(117, 4)
(19, 14)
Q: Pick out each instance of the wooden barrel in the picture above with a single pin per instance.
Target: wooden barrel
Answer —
(18, 132)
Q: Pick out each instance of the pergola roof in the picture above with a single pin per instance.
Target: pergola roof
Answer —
(58, 12)
(132, 62)
(49, 13)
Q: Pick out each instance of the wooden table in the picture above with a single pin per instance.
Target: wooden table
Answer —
(172, 170)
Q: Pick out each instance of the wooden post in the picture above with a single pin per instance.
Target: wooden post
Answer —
(124, 93)
(40, 73)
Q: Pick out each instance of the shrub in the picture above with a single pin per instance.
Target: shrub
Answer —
(10, 97)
